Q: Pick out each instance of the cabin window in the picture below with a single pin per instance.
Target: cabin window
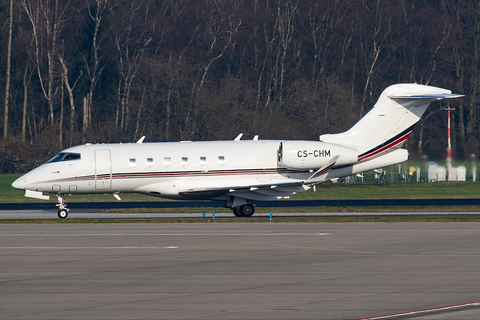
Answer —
(184, 161)
(149, 162)
(221, 160)
(167, 161)
(203, 161)
(65, 156)
(133, 162)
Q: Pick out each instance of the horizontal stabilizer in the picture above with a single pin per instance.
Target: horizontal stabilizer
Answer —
(427, 96)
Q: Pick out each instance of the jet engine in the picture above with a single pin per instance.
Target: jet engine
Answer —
(311, 155)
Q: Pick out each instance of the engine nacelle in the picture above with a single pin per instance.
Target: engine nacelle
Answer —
(311, 155)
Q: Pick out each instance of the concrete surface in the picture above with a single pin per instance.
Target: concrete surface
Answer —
(223, 213)
(237, 270)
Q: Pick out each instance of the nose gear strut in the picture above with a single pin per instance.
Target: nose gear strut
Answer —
(62, 206)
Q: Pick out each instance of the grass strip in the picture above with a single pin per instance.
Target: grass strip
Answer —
(321, 209)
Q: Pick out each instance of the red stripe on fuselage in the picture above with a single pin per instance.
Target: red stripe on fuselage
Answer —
(176, 174)
(391, 145)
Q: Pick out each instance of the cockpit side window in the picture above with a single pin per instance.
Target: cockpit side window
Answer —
(71, 156)
(65, 156)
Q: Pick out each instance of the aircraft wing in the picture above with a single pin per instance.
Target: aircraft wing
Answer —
(252, 192)
(263, 191)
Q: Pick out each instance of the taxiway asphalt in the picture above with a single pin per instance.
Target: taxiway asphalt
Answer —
(223, 213)
(237, 270)
(219, 204)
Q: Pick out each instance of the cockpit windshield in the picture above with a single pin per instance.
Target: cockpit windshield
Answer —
(65, 156)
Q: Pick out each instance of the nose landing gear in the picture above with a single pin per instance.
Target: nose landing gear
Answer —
(62, 207)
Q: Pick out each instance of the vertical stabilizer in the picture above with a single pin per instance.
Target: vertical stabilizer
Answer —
(389, 123)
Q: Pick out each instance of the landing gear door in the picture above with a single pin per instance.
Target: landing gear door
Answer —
(103, 169)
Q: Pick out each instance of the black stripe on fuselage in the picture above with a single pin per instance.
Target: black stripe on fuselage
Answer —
(389, 141)
(136, 175)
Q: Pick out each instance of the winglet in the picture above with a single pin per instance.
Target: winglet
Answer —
(238, 137)
(141, 139)
(320, 174)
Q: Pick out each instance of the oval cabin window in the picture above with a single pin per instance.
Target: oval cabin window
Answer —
(167, 161)
(149, 162)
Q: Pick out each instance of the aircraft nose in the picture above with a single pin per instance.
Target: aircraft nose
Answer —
(20, 183)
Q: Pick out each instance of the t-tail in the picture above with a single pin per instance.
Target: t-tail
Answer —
(389, 123)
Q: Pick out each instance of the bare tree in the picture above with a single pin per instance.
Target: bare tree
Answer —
(97, 13)
(270, 37)
(324, 18)
(70, 89)
(286, 12)
(47, 18)
(132, 39)
(25, 99)
(26, 84)
(220, 32)
(7, 80)
(380, 28)
(474, 94)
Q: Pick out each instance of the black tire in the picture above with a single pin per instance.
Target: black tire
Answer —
(236, 212)
(247, 210)
(62, 214)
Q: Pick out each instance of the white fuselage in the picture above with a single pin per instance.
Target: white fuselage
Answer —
(211, 170)
(162, 169)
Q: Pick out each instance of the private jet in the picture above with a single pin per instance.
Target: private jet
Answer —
(238, 172)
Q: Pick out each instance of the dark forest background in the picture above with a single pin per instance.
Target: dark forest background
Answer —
(110, 71)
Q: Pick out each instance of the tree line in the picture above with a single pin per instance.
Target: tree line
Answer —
(77, 71)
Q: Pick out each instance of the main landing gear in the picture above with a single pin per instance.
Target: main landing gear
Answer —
(246, 210)
(62, 207)
(240, 207)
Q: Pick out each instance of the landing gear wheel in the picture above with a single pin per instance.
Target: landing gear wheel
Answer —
(236, 212)
(62, 207)
(247, 210)
(62, 214)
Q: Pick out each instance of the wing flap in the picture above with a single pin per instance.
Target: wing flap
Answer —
(232, 189)
(251, 192)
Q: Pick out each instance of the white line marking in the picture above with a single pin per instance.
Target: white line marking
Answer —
(425, 311)
(128, 247)
(156, 234)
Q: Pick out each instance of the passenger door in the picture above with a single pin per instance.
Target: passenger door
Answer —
(103, 169)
